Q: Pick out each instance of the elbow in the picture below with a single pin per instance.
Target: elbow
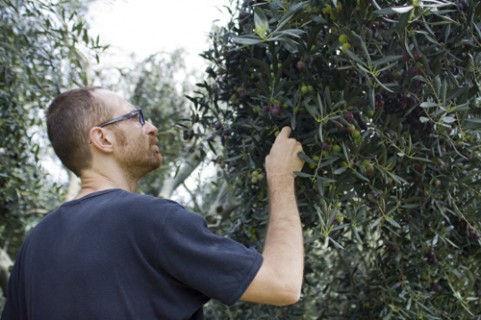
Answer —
(275, 287)
(288, 300)
(288, 296)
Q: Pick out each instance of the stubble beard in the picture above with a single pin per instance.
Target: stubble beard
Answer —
(139, 161)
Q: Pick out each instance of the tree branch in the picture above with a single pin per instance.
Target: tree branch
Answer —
(185, 170)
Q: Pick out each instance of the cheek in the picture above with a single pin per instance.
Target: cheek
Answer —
(121, 138)
(138, 146)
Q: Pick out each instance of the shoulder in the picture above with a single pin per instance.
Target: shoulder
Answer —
(150, 207)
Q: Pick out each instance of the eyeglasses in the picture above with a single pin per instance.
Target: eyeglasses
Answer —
(126, 116)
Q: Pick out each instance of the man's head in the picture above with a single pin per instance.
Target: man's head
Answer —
(79, 124)
(69, 118)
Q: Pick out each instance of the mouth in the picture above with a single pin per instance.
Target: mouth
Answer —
(156, 148)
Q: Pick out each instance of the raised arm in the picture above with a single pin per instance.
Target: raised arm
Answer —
(279, 280)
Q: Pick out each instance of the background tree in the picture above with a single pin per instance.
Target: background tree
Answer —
(44, 48)
(158, 85)
(385, 97)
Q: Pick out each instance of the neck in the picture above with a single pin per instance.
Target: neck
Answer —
(93, 181)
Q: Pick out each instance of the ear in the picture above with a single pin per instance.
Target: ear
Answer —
(101, 139)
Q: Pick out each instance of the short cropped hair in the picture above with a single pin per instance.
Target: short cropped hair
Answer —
(70, 116)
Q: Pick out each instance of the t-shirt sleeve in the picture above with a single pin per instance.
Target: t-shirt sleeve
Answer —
(218, 267)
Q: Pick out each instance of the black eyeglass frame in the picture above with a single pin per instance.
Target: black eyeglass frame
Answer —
(126, 116)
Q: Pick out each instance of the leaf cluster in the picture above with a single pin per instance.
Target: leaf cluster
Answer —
(385, 98)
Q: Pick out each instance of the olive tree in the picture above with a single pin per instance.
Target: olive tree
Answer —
(385, 97)
(44, 46)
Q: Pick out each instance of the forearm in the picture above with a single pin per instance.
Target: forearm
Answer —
(279, 279)
(284, 245)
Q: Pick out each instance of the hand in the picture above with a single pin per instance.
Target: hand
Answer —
(283, 158)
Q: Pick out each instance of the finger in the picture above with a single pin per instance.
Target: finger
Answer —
(285, 132)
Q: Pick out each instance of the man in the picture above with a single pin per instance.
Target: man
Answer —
(114, 254)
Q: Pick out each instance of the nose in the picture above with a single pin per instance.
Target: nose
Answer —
(150, 129)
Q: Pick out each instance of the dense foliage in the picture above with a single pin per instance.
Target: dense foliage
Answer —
(385, 97)
(40, 55)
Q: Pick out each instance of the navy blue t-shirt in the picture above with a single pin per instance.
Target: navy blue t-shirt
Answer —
(119, 255)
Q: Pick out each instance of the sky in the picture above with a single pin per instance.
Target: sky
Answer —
(144, 27)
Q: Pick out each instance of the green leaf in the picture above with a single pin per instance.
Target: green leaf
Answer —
(85, 37)
(354, 57)
(393, 10)
(474, 121)
(302, 174)
(339, 170)
(293, 10)
(386, 59)
(393, 222)
(296, 33)
(448, 119)
(335, 243)
(247, 40)
(306, 158)
(428, 104)
(396, 178)
(360, 176)
(312, 110)
(261, 23)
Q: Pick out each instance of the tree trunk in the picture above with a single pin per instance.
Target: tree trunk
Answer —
(5, 264)
(185, 170)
